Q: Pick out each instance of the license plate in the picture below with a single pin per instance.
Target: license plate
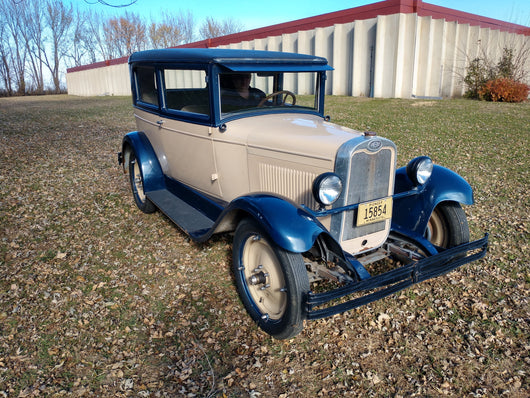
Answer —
(375, 211)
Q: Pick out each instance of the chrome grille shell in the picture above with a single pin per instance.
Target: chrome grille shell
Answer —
(366, 166)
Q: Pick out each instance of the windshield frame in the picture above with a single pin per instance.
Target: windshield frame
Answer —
(277, 72)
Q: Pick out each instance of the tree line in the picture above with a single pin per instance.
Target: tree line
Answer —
(40, 39)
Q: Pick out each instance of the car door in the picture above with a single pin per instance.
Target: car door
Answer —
(185, 142)
(178, 130)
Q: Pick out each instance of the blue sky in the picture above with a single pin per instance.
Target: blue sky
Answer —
(255, 14)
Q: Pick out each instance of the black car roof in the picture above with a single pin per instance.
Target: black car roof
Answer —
(231, 58)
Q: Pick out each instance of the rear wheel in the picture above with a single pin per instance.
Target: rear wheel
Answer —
(447, 226)
(271, 281)
(137, 186)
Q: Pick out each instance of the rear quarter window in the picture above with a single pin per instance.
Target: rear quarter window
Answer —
(146, 85)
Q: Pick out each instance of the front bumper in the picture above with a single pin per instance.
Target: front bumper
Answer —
(395, 280)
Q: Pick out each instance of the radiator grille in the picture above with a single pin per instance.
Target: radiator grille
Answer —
(369, 179)
(293, 184)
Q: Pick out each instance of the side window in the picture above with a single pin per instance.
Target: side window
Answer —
(186, 91)
(146, 85)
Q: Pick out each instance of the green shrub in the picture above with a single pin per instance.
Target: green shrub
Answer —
(478, 73)
(506, 66)
(496, 82)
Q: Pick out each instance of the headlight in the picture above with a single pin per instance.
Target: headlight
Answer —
(419, 170)
(327, 188)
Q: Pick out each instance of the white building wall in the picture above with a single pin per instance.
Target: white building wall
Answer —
(109, 80)
(404, 68)
(342, 52)
(400, 55)
(363, 57)
(450, 56)
(385, 56)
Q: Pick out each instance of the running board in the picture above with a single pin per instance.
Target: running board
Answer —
(188, 218)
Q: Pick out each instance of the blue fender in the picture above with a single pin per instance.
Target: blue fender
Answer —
(412, 213)
(152, 174)
(288, 225)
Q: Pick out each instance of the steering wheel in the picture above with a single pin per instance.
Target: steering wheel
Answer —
(286, 92)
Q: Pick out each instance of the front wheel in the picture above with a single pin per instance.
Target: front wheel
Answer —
(447, 226)
(271, 281)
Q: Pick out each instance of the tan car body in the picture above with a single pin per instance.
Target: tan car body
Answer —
(280, 154)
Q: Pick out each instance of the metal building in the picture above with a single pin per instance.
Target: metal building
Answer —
(388, 49)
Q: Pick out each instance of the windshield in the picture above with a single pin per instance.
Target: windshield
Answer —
(264, 91)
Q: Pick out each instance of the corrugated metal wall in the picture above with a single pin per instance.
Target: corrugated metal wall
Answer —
(107, 80)
(391, 56)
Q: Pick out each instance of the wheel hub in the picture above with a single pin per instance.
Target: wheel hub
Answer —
(259, 278)
(264, 278)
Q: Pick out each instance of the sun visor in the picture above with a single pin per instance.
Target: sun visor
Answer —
(264, 67)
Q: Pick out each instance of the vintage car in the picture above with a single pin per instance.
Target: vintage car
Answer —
(236, 141)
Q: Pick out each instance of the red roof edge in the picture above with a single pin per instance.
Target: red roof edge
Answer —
(95, 65)
(386, 7)
(450, 15)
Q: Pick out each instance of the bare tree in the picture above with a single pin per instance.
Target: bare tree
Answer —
(41, 36)
(58, 19)
(172, 31)
(138, 38)
(79, 48)
(32, 30)
(5, 56)
(186, 22)
(18, 54)
(211, 28)
(96, 45)
(125, 35)
(163, 35)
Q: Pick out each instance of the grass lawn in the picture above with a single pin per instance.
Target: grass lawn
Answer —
(99, 299)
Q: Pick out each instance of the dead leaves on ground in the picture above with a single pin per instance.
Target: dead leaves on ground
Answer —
(98, 299)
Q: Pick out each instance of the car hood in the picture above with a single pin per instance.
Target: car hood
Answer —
(304, 135)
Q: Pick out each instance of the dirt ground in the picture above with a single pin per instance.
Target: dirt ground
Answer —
(99, 299)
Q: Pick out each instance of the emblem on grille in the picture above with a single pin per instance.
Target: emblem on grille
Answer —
(374, 145)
